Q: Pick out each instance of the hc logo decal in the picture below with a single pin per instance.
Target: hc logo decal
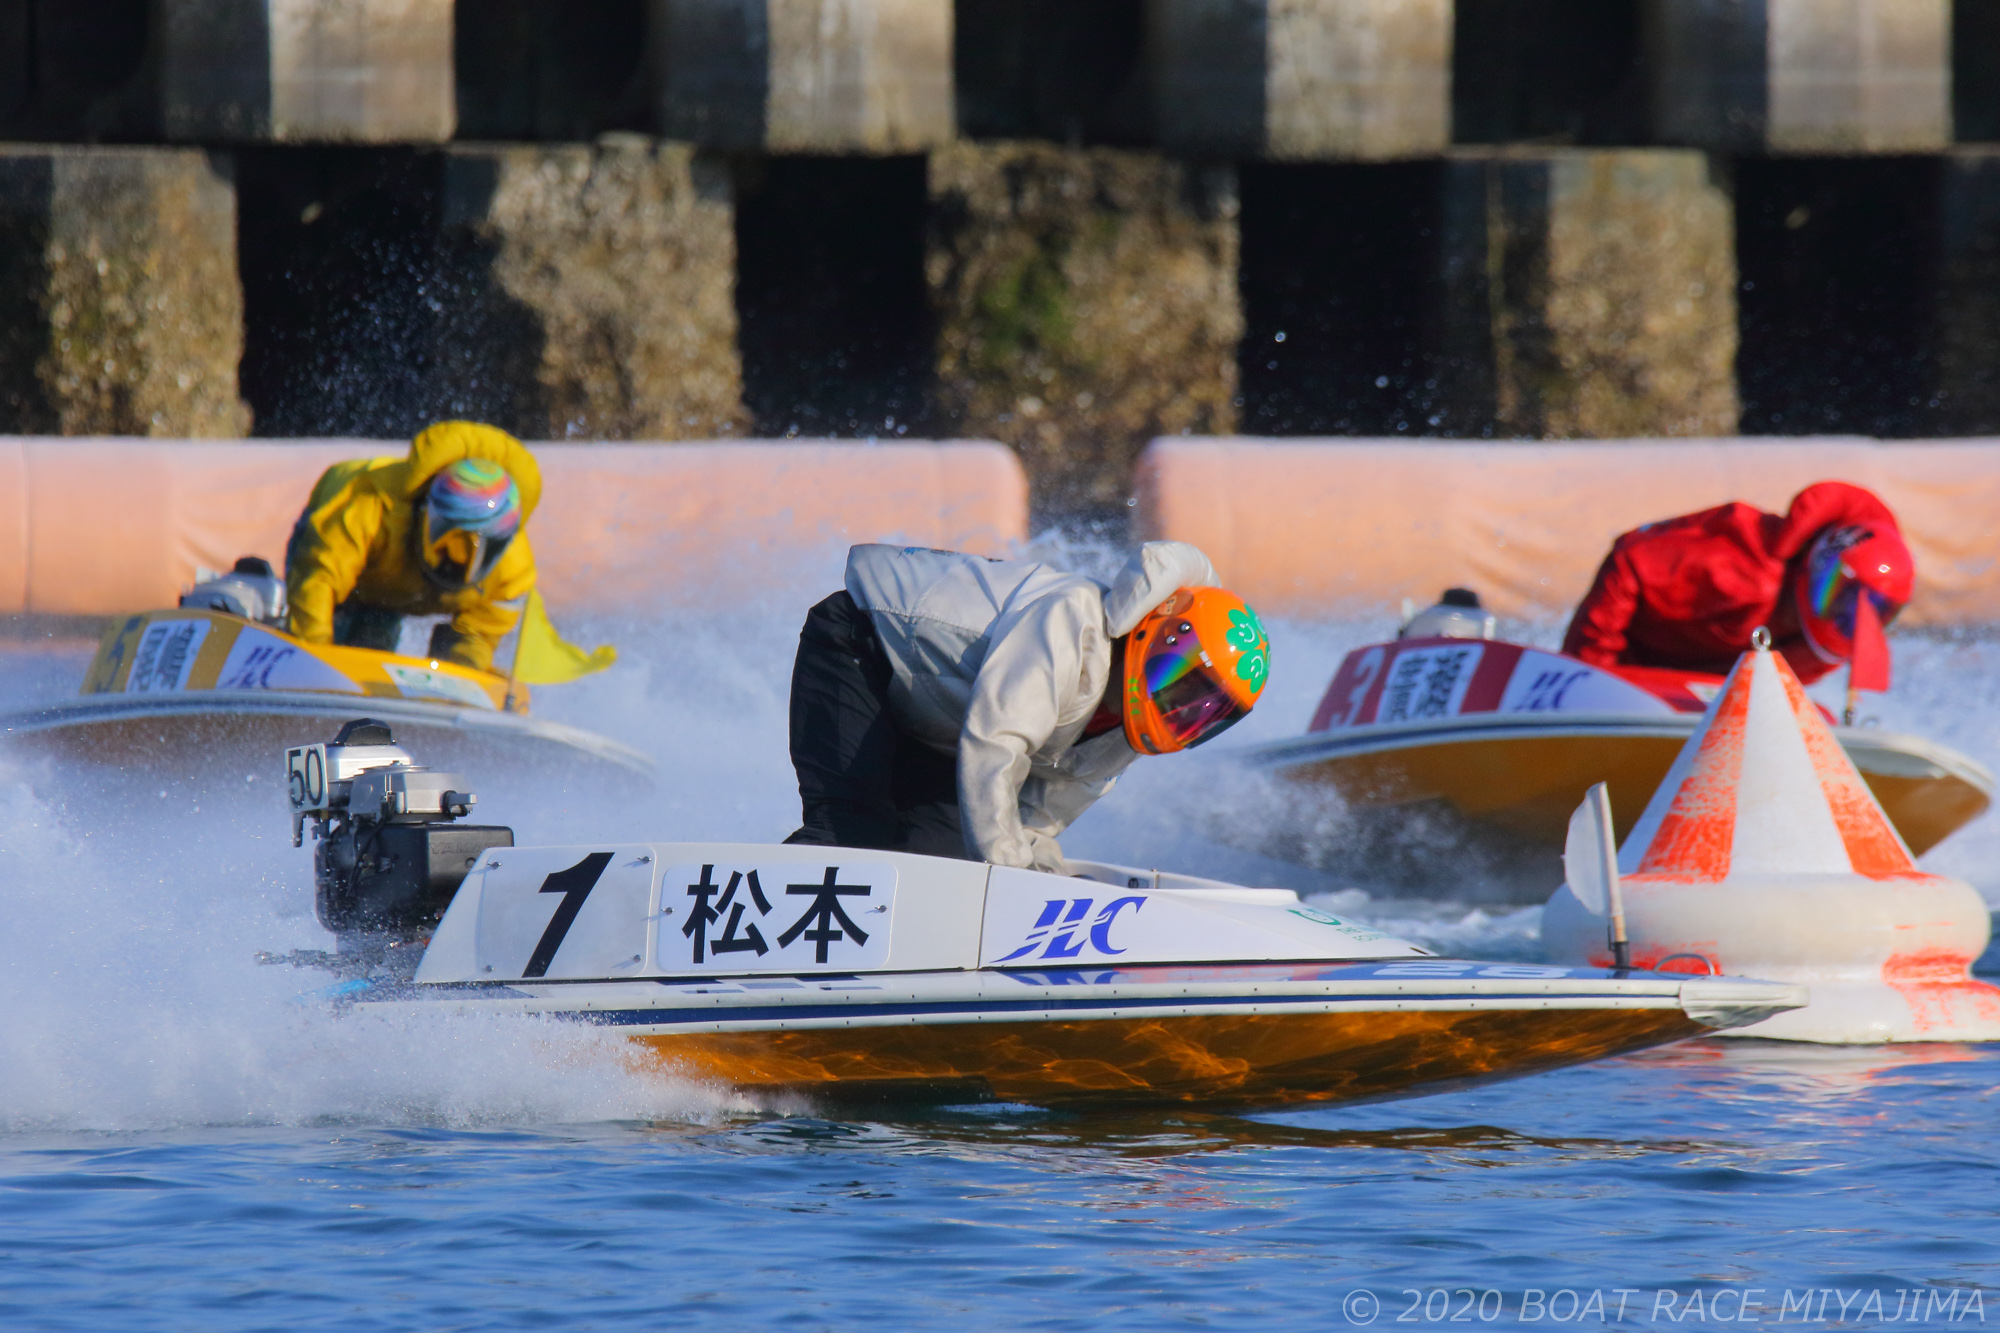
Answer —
(1065, 927)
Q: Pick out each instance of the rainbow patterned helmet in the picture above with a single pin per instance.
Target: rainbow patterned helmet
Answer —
(470, 512)
(1193, 668)
(1843, 565)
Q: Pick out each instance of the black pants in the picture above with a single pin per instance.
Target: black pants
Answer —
(362, 625)
(861, 782)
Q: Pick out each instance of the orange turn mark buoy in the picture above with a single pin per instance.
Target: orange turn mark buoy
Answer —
(1695, 835)
(1764, 854)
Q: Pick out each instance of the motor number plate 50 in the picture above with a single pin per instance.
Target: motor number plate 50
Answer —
(305, 777)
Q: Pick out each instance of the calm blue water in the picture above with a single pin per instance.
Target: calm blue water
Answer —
(186, 1145)
(1687, 1174)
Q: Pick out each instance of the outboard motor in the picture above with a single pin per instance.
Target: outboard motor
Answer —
(1457, 615)
(250, 590)
(390, 854)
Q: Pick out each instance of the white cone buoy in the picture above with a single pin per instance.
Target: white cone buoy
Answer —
(1764, 854)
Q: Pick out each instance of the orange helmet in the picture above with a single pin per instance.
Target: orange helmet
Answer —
(1193, 667)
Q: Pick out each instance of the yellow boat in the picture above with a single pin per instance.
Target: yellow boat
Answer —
(1510, 738)
(192, 680)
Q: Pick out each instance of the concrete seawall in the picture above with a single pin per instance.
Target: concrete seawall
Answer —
(1067, 228)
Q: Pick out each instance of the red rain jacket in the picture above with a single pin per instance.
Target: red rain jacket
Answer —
(1686, 592)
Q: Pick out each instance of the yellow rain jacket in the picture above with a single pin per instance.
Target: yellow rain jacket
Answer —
(356, 540)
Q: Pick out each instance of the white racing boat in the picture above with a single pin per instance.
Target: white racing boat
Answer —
(783, 969)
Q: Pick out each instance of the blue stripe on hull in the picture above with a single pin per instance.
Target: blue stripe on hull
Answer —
(922, 1009)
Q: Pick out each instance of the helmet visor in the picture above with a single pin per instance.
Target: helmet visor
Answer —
(1192, 704)
(459, 556)
(1835, 594)
(1833, 588)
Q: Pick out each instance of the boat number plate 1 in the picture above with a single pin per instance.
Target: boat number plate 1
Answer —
(788, 916)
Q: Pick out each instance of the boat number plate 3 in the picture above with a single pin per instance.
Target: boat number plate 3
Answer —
(790, 916)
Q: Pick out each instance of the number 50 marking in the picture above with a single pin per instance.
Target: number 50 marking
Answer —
(305, 777)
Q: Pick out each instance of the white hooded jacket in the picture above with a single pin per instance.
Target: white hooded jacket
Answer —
(1005, 662)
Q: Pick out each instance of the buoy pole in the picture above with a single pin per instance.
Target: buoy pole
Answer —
(1607, 849)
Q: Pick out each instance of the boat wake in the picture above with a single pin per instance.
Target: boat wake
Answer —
(134, 999)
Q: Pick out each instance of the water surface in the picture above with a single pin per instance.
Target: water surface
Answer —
(185, 1143)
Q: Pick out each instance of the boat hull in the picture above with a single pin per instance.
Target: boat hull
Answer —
(1525, 776)
(171, 687)
(1211, 1035)
(231, 729)
(779, 969)
(1232, 1059)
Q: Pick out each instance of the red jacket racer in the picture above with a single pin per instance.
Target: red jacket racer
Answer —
(1686, 593)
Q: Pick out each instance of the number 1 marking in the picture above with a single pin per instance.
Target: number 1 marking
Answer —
(574, 884)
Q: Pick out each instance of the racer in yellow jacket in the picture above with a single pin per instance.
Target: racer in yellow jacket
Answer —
(441, 531)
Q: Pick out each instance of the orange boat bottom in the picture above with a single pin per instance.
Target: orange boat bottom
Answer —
(1192, 1060)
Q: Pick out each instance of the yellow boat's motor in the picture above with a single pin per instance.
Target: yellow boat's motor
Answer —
(390, 851)
(250, 590)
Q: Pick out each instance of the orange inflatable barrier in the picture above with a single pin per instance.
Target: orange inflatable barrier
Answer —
(1305, 527)
(103, 526)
